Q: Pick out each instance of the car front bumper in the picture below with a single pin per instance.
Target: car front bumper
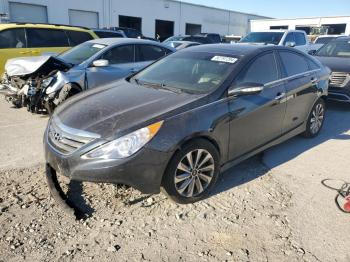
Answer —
(339, 94)
(142, 171)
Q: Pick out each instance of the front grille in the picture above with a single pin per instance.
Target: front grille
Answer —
(67, 140)
(339, 79)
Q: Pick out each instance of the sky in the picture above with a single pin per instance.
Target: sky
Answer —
(282, 8)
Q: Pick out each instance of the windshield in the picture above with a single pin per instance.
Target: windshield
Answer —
(80, 53)
(324, 40)
(189, 72)
(173, 38)
(263, 37)
(173, 44)
(335, 49)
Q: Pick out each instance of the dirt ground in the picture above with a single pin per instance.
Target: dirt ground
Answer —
(270, 208)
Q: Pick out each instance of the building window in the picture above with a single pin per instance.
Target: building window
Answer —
(278, 27)
(130, 22)
(83, 18)
(335, 29)
(164, 29)
(193, 29)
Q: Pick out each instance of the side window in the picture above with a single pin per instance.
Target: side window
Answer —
(120, 55)
(77, 37)
(289, 38)
(294, 63)
(39, 37)
(313, 64)
(262, 71)
(149, 53)
(12, 38)
(300, 39)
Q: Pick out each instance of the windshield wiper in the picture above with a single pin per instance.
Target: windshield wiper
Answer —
(158, 86)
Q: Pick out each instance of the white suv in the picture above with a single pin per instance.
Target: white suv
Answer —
(291, 38)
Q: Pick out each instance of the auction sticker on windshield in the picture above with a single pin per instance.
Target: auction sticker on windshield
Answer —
(224, 59)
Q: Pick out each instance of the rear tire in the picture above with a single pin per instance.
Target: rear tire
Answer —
(192, 172)
(316, 119)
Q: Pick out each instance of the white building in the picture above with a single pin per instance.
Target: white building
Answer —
(333, 25)
(163, 17)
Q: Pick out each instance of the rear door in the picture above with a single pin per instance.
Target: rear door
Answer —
(257, 119)
(121, 64)
(43, 41)
(301, 86)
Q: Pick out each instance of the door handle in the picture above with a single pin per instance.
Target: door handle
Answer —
(35, 52)
(314, 81)
(24, 52)
(280, 96)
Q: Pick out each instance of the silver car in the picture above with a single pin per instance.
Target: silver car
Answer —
(51, 80)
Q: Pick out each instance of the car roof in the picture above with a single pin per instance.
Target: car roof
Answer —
(115, 41)
(278, 31)
(185, 42)
(326, 36)
(234, 49)
(342, 38)
(46, 26)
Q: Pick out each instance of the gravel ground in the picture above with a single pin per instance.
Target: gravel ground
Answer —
(272, 208)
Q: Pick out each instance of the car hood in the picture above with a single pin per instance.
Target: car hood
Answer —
(336, 64)
(24, 66)
(121, 107)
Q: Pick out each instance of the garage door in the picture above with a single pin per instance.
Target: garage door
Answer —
(28, 13)
(83, 18)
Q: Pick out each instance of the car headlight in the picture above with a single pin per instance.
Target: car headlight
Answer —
(127, 145)
(48, 81)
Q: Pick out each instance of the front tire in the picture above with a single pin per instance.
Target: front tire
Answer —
(315, 120)
(192, 172)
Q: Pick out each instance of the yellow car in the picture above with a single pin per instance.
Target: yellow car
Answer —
(22, 39)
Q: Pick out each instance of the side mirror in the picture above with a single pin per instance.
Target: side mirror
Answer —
(100, 63)
(312, 52)
(246, 89)
(290, 44)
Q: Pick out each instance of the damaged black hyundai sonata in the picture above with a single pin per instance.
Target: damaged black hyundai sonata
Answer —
(182, 120)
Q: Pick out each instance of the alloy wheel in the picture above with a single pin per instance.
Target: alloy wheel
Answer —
(194, 173)
(317, 118)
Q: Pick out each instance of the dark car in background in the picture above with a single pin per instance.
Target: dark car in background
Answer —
(178, 45)
(191, 38)
(336, 56)
(182, 120)
(215, 38)
(105, 33)
(132, 33)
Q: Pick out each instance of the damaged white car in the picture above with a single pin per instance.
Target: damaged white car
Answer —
(42, 83)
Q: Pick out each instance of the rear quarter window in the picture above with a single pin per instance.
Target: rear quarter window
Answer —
(40, 37)
(293, 63)
(78, 37)
(12, 38)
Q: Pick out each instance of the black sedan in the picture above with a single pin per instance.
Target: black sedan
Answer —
(336, 55)
(181, 121)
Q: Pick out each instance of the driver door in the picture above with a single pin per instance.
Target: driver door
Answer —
(121, 64)
(257, 119)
